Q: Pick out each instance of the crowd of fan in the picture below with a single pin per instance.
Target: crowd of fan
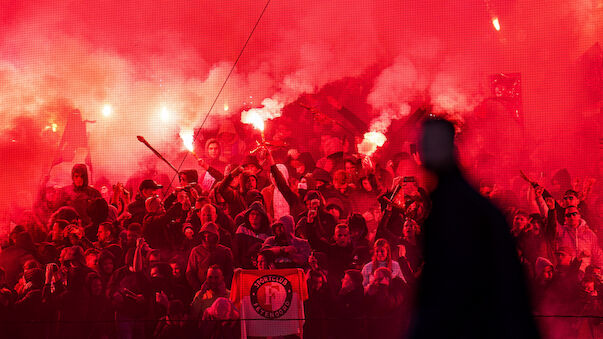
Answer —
(140, 265)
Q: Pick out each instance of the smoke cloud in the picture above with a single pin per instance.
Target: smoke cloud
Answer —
(160, 65)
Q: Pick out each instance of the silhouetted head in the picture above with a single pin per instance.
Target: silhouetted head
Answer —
(437, 146)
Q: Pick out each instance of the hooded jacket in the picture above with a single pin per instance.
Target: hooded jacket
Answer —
(301, 245)
(582, 239)
(201, 258)
(79, 197)
(247, 241)
(326, 222)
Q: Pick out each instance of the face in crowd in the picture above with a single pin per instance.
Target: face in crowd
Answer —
(255, 220)
(214, 278)
(207, 214)
(381, 253)
(572, 216)
(570, 200)
(342, 236)
(213, 150)
(209, 240)
(78, 179)
(104, 233)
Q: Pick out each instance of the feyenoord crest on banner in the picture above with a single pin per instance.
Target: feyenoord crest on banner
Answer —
(271, 296)
(271, 302)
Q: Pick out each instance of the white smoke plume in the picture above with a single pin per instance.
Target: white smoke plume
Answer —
(160, 65)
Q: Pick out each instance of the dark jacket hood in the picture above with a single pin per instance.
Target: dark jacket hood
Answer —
(82, 170)
(257, 206)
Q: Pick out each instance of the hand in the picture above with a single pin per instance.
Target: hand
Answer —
(402, 251)
(539, 190)
(368, 216)
(269, 156)
(417, 158)
(50, 269)
(194, 194)
(141, 243)
(204, 288)
(203, 164)
(186, 204)
(137, 297)
(161, 298)
(293, 153)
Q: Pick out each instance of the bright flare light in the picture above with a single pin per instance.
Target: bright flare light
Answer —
(496, 24)
(370, 143)
(254, 119)
(164, 114)
(226, 107)
(52, 127)
(187, 137)
(107, 110)
(257, 116)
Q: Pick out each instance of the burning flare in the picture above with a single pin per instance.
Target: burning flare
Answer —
(107, 110)
(496, 23)
(253, 118)
(187, 136)
(370, 143)
(257, 116)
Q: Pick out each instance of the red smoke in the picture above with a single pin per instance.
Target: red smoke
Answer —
(145, 58)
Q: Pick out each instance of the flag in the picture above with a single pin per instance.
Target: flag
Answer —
(74, 137)
(271, 302)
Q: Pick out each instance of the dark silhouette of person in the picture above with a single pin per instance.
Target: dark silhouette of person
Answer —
(472, 285)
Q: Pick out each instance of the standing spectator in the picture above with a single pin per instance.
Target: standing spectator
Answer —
(350, 307)
(79, 194)
(209, 213)
(382, 257)
(107, 235)
(155, 225)
(340, 253)
(467, 238)
(136, 208)
(251, 235)
(213, 152)
(13, 257)
(316, 217)
(131, 297)
(209, 253)
(221, 321)
(575, 235)
(289, 250)
(212, 288)
(318, 307)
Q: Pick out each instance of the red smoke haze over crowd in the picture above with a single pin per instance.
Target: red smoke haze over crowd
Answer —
(160, 64)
